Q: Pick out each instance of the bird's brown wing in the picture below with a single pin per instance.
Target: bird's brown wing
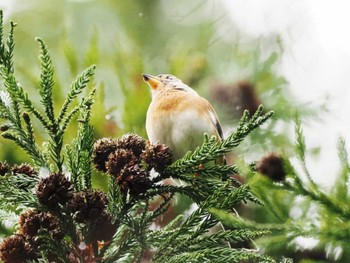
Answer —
(215, 120)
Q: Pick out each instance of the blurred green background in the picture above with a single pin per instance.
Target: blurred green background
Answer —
(194, 40)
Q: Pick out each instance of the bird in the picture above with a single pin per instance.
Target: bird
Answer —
(178, 117)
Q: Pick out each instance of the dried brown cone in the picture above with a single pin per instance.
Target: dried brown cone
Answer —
(103, 228)
(54, 190)
(272, 167)
(120, 159)
(132, 142)
(16, 249)
(102, 149)
(4, 168)
(5, 127)
(237, 98)
(134, 181)
(157, 156)
(32, 222)
(24, 169)
(248, 98)
(88, 206)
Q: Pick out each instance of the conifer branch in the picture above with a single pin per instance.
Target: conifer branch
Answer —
(341, 189)
(338, 207)
(80, 154)
(76, 88)
(162, 208)
(55, 147)
(123, 247)
(11, 111)
(232, 236)
(6, 48)
(17, 190)
(10, 46)
(19, 97)
(2, 46)
(213, 149)
(218, 255)
(65, 215)
(23, 140)
(46, 82)
(11, 87)
(318, 208)
(115, 197)
(301, 150)
(68, 118)
(313, 192)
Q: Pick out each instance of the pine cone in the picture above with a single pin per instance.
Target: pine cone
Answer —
(157, 156)
(88, 206)
(102, 149)
(119, 159)
(134, 181)
(237, 97)
(102, 229)
(132, 142)
(4, 168)
(54, 190)
(24, 169)
(16, 249)
(272, 167)
(32, 221)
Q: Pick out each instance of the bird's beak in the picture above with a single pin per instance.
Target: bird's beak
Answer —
(152, 81)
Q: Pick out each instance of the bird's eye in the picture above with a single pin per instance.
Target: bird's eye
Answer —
(167, 77)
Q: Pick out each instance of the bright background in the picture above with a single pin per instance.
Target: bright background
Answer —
(316, 63)
(294, 55)
(313, 46)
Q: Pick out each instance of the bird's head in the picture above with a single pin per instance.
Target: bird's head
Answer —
(164, 81)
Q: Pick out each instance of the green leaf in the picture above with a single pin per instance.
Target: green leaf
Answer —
(46, 81)
(78, 85)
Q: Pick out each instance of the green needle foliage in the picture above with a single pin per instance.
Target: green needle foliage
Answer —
(17, 108)
(306, 221)
(62, 218)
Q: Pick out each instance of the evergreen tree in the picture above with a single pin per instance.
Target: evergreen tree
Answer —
(62, 217)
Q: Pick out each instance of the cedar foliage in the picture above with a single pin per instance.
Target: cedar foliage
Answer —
(62, 218)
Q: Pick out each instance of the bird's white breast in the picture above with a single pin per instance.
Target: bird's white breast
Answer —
(180, 130)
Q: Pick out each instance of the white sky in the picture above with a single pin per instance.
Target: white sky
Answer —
(316, 62)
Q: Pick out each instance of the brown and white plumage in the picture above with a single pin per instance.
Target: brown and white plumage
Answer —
(178, 116)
